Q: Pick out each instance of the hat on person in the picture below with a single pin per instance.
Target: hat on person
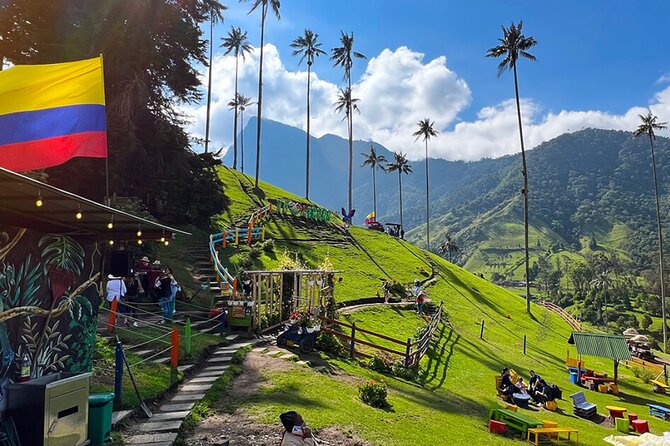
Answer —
(144, 259)
(288, 419)
(112, 276)
(156, 262)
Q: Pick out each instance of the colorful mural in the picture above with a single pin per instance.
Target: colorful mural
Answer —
(49, 299)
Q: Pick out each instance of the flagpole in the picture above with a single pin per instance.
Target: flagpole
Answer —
(107, 197)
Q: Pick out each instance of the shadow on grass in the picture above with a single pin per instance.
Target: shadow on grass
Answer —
(437, 360)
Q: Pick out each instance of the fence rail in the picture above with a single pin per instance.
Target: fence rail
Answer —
(567, 317)
(411, 354)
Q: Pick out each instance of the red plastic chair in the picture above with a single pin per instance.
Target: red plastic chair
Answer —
(640, 426)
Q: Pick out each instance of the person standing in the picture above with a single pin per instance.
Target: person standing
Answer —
(163, 289)
(133, 291)
(386, 288)
(419, 295)
(116, 290)
(142, 269)
(174, 288)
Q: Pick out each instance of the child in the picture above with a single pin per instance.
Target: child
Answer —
(521, 385)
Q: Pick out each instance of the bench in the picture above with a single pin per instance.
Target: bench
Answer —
(551, 431)
(659, 411)
(515, 420)
(659, 386)
(581, 407)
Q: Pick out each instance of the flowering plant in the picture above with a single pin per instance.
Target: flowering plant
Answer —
(303, 318)
(374, 394)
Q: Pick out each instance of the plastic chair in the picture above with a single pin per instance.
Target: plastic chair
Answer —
(640, 426)
(622, 425)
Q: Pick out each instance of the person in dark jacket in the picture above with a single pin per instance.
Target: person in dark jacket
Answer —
(507, 387)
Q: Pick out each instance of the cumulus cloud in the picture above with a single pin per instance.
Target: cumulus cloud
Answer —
(397, 89)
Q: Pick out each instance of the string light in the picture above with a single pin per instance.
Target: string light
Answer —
(166, 242)
(163, 238)
(110, 225)
(111, 243)
(39, 202)
(139, 242)
(139, 231)
(78, 215)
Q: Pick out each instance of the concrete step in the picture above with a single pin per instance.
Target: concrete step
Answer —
(120, 416)
(165, 360)
(143, 353)
(164, 438)
(185, 368)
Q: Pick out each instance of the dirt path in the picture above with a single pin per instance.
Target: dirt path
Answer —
(233, 424)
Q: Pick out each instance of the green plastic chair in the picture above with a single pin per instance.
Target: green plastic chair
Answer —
(622, 425)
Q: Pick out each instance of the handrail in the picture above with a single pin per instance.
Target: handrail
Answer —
(567, 317)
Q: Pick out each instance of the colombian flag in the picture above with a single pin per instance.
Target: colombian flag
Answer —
(370, 218)
(52, 113)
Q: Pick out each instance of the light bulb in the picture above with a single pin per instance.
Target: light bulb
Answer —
(139, 242)
(39, 202)
(111, 243)
(167, 242)
(110, 225)
(139, 233)
(78, 215)
(163, 239)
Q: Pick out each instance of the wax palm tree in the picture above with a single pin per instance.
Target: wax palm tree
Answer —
(647, 126)
(448, 246)
(604, 281)
(242, 103)
(344, 56)
(307, 47)
(426, 131)
(345, 103)
(265, 6)
(236, 43)
(375, 162)
(215, 16)
(512, 45)
(401, 165)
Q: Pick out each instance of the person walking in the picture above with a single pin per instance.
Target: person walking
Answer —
(133, 291)
(386, 288)
(419, 295)
(142, 269)
(163, 289)
(174, 288)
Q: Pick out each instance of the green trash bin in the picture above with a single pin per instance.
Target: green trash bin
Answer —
(100, 418)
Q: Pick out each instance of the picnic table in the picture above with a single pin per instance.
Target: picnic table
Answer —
(515, 420)
(552, 431)
(659, 411)
(615, 411)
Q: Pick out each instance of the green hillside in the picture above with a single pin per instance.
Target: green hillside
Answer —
(450, 402)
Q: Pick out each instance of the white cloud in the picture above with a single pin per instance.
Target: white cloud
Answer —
(397, 89)
(663, 79)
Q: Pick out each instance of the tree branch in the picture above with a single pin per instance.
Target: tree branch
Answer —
(11, 244)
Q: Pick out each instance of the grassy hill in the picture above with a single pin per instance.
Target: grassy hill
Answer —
(450, 402)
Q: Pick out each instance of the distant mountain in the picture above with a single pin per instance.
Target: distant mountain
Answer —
(591, 185)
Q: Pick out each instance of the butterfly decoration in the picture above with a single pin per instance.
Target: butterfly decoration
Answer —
(346, 217)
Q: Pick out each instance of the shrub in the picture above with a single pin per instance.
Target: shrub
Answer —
(246, 262)
(645, 375)
(380, 364)
(328, 343)
(268, 245)
(374, 394)
(407, 373)
(254, 253)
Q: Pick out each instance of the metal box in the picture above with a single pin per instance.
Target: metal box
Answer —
(51, 410)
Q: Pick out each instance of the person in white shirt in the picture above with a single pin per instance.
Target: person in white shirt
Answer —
(116, 290)
(296, 432)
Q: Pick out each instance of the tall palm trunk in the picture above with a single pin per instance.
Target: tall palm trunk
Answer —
(209, 82)
(242, 139)
(427, 202)
(660, 245)
(264, 12)
(524, 172)
(374, 191)
(237, 60)
(351, 145)
(400, 191)
(309, 75)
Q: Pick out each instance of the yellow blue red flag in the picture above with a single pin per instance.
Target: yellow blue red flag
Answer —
(52, 113)
(370, 218)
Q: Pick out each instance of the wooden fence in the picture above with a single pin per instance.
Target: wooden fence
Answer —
(410, 351)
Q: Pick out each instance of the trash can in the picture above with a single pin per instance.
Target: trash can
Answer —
(574, 378)
(100, 418)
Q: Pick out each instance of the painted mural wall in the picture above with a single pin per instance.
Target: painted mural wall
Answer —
(49, 301)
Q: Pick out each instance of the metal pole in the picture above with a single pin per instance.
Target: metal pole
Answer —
(118, 376)
(481, 331)
(353, 340)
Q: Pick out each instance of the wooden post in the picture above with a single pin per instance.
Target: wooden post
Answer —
(352, 347)
(174, 351)
(263, 234)
(250, 230)
(665, 374)
(579, 370)
(237, 236)
(524, 344)
(118, 376)
(225, 239)
(187, 335)
(112, 315)
(481, 331)
(407, 352)
(616, 371)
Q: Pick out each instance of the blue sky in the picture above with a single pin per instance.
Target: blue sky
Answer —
(603, 56)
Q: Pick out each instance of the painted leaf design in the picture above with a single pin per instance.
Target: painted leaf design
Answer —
(63, 252)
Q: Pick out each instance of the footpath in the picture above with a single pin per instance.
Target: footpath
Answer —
(163, 427)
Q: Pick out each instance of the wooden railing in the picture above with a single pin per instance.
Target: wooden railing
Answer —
(567, 317)
(412, 352)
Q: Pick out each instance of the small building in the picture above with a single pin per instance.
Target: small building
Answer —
(54, 248)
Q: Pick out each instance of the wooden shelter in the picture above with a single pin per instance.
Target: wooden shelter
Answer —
(602, 345)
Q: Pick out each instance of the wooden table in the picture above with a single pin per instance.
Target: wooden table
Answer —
(616, 411)
(515, 420)
(659, 411)
(552, 431)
